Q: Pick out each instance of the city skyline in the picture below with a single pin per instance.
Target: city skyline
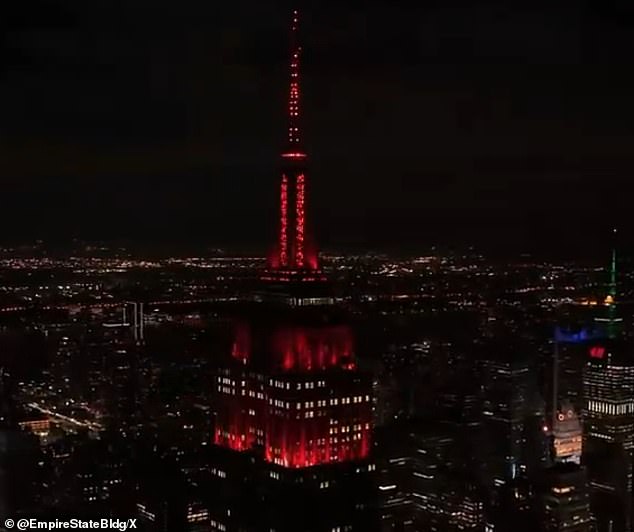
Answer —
(149, 374)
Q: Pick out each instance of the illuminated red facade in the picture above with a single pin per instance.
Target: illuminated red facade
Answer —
(294, 390)
(300, 420)
(310, 425)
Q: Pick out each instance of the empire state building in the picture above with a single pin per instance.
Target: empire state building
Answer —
(293, 425)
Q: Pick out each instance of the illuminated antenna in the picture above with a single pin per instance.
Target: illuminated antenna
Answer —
(294, 95)
(613, 320)
(295, 254)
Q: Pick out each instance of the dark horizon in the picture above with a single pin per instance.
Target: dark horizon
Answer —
(506, 127)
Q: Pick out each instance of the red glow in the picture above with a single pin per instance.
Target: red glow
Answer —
(294, 254)
(299, 221)
(273, 261)
(311, 258)
(294, 440)
(291, 410)
(291, 438)
(597, 351)
(294, 155)
(241, 347)
(235, 428)
(295, 443)
(236, 438)
(309, 349)
(284, 222)
(300, 448)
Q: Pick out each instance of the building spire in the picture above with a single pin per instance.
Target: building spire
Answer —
(295, 257)
(612, 291)
(611, 298)
(294, 139)
(611, 320)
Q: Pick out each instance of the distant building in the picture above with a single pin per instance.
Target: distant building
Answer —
(423, 484)
(394, 477)
(608, 417)
(514, 444)
(565, 501)
(567, 436)
(512, 416)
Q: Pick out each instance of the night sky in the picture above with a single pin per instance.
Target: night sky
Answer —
(497, 123)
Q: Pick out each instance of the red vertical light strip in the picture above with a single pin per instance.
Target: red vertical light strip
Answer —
(300, 220)
(284, 222)
(241, 348)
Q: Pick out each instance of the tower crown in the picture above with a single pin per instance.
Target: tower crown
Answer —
(295, 257)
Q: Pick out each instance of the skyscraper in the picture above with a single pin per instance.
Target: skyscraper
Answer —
(609, 428)
(563, 487)
(609, 392)
(294, 414)
(608, 415)
(513, 443)
(512, 415)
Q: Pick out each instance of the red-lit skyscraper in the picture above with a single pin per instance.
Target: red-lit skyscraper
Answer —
(293, 413)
